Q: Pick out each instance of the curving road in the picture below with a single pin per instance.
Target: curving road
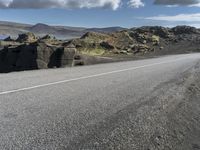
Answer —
(126, 105)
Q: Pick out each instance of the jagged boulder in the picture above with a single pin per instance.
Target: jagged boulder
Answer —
(141, 37)
(69, 53)
(46, 37)
(8, 39)
(27, 38)
(140, 48)
(107, 45)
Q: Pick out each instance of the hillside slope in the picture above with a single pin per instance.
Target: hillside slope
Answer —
(140, 41)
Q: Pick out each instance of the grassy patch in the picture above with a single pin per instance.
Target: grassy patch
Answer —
(93, 52)
(155, 40)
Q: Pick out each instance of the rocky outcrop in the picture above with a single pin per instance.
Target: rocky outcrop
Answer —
(161, 32)
(142, 38)
(67, 58)
(27, 38)
(156, 30)
(141, 48)
(36, 55)
(185, 30)
(8, 39)
(47, 37)
(107, 45)
(93, 36)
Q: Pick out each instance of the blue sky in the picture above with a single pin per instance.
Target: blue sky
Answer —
(102, 13)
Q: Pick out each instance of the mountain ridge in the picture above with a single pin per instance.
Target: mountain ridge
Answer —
(40, 29)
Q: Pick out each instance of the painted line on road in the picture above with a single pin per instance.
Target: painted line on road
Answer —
(86, 77)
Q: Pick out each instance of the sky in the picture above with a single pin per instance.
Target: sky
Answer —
(102, 13)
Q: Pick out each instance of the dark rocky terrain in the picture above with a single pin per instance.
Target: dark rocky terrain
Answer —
(141, 41)
(29, 51)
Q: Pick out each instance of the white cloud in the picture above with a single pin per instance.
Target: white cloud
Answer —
(68, 4)
(195, 5)
(5, 3)
(136, 3)
(177, 18)
(178, 2)
(112, 4)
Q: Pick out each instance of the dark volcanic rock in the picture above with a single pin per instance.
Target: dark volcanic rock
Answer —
(17, 58)
(27, 37)
(185, 30)
(46, 37)
(62, 57)
(157, 30)
(141, 48)
(36, 55)
(107, 45)
(8, 39)
(161, 31)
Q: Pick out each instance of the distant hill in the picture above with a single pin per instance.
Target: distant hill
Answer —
(41, 28)
(14, 24)
(61, 32)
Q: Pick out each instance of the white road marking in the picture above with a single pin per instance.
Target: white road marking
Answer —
(86, 77)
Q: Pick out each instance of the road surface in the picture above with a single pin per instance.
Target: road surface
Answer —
(147, 104)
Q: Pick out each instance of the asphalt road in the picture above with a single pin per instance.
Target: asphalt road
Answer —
(124, 105)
